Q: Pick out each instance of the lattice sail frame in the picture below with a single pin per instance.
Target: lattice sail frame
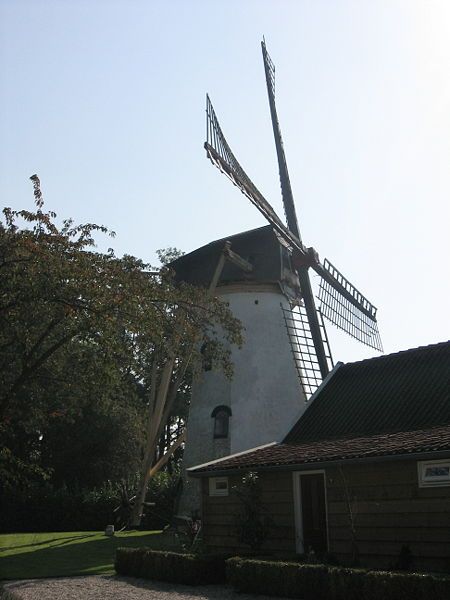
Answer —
(302, 347)
(220, 154)
(336, 292)
(336, 306)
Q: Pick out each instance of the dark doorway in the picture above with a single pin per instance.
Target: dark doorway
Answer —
(314, 517)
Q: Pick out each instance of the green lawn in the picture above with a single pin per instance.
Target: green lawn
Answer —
(29, 555)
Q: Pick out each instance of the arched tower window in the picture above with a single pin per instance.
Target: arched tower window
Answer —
(221, 416)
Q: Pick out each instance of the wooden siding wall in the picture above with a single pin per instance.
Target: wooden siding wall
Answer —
(389, 511)
(220, 530)
(388, 507)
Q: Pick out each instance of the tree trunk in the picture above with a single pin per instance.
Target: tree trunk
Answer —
(152, 440)
(149, 473)
(162, 400)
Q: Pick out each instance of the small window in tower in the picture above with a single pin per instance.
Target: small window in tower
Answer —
(221, 416)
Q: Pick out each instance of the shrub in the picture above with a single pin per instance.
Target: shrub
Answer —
(253, 521)
(405, 559)
(277, 578)
(45, 508)
(413, 586)
(162, 490)
(347, 584)
(170, 566)
(322, 582)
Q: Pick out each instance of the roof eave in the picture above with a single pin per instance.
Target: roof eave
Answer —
(434, 454)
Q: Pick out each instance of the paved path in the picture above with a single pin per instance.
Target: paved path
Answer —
(115, 588)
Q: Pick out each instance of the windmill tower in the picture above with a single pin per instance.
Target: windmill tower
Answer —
(286, 354)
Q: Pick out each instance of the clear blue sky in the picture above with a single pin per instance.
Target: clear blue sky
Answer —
(104, 100)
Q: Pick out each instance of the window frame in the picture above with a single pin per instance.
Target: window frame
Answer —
(212, 484)
(215, 413)
(437, 481)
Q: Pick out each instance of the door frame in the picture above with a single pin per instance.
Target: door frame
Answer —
(297, 483)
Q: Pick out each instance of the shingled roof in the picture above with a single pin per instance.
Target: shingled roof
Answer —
(393, 405)
(436, 440)
(404, 391)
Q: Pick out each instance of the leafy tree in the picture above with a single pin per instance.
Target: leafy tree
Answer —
(98, 440)
(86, 335)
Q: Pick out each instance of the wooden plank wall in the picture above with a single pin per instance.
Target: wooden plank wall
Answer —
(389, 510)
(220, 530)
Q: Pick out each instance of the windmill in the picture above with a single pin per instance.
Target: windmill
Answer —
(265, 280)
(339, 301)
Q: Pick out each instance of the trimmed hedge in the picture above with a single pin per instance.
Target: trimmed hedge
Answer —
(171, 566)
(322, 582)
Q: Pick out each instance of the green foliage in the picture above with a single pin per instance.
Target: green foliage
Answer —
(189, 569)
(162, 490)
(83, 335)
(322, 582)
(277, 578)
(167, 255)
(45, 507)
(188, 536)
(253, 521)
(105, 440)
(42, 507)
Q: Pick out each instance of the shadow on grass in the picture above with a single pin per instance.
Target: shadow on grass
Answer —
(91, 555)
(47, 542)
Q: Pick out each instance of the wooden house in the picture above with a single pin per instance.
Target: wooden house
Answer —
(364, 474)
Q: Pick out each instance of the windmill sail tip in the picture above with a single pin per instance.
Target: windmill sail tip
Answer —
(343, 305)
(346, 316)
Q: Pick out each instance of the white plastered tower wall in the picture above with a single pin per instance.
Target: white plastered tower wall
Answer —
(264, 395)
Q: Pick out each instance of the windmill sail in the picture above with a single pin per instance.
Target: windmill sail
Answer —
(291, 217)
(220, 154)
(303, 349)
(343, 305)
(340, 302)
(285, 182)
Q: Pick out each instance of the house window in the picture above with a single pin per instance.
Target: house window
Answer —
(221, 416)
(434, 473)
(218, 486)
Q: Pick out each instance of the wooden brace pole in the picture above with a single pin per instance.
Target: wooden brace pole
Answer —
(162, 461)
